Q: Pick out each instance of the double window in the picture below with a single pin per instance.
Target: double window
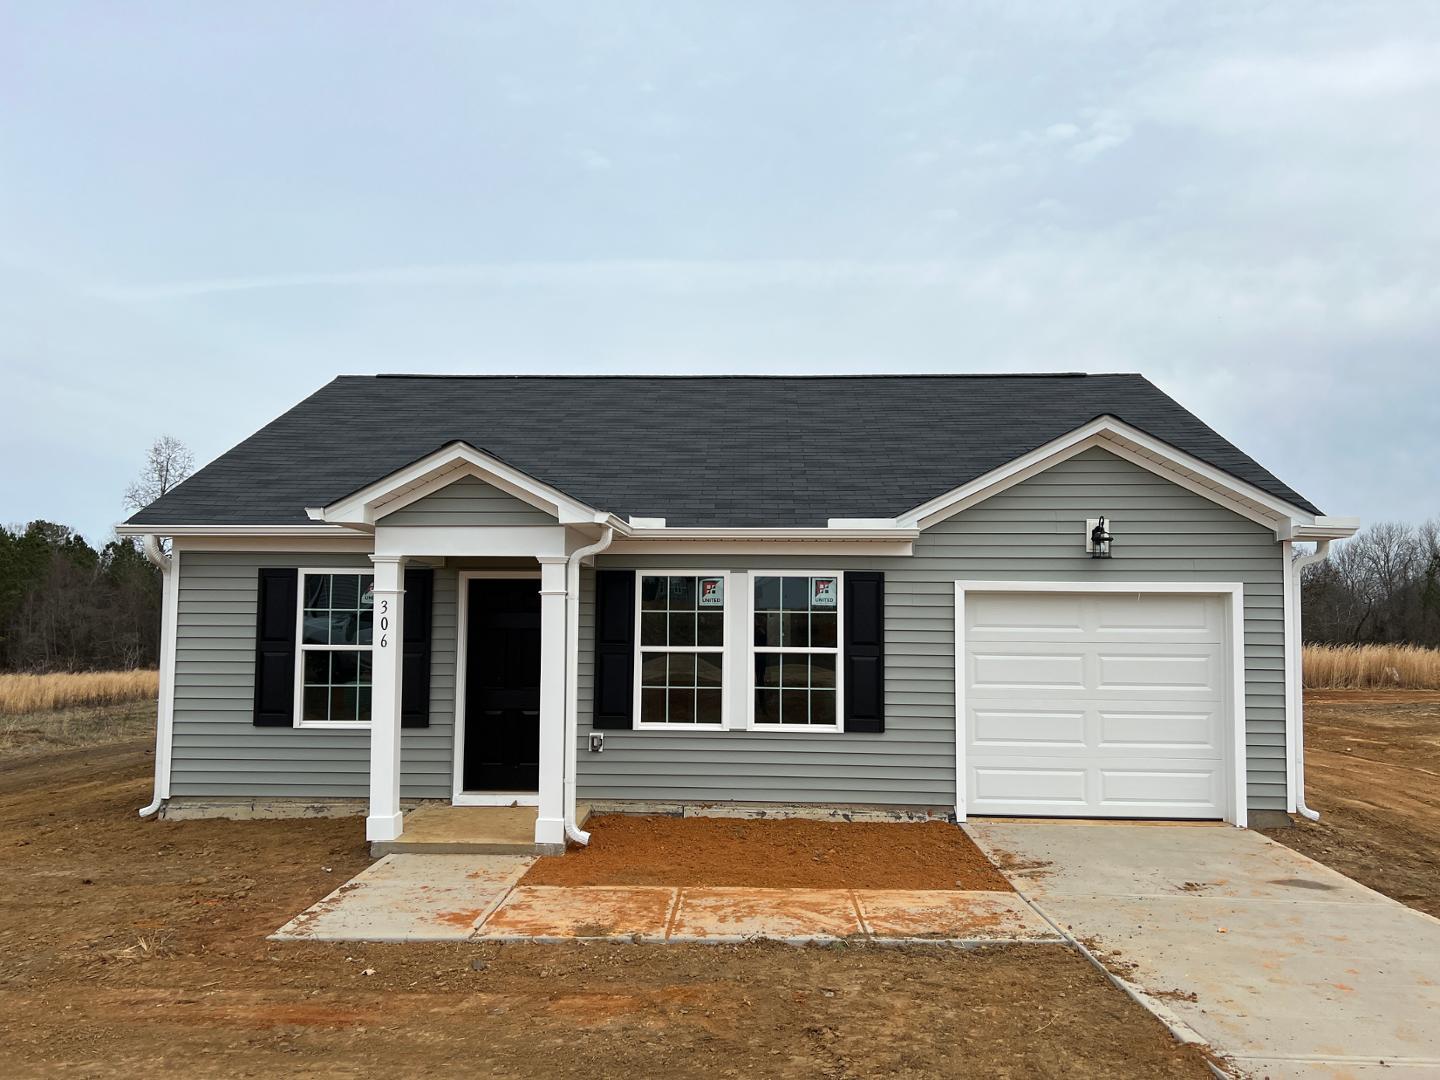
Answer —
(337, 612)
(682, 649)
(794, 649)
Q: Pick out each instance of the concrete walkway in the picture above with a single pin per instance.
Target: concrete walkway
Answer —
(1284, 966)
(476, 897)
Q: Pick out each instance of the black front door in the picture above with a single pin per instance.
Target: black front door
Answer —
(502, 685)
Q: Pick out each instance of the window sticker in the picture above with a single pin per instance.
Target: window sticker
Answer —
(824, 592)
(712, 592)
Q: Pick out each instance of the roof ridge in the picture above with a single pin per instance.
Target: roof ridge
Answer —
(697, 378)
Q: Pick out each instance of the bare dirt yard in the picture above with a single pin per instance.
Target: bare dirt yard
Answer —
(128, 948)
(781, 854)
(1372, 769)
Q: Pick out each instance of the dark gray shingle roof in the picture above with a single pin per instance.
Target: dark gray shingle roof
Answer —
(721, 451)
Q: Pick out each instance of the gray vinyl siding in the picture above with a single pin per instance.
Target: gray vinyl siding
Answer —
(1034, 531)
(219, 752)
(1031, 532)
(469, 501)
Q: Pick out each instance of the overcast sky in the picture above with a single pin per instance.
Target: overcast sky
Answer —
(207, 210)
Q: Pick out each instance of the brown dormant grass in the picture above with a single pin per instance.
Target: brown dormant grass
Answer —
(22, 694)
(1371, 667)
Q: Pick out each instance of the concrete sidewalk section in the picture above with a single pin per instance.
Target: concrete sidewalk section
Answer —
(1283, 965)
(465, 897)
(411, 898)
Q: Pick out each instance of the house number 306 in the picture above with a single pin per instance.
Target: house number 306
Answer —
(384, 624)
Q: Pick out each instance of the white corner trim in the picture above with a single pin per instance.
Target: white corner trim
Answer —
(1234, 594)
(444, 466)
(1132, 444)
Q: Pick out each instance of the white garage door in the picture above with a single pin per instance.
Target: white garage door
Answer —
(1095, 705)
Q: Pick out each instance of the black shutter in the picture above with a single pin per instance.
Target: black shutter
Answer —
(415, 643)
(864, 651)
(614, 649)
(275, 616)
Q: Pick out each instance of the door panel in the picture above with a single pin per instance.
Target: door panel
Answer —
(502, 686)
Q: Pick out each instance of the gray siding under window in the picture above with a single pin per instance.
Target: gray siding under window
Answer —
(1033, 531)
(469, 501)
(218, 752)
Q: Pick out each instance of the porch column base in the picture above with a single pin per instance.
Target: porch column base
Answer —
(550, 830)
(383, 826)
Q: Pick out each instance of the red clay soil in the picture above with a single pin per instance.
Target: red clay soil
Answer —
(134, 948)
(646, 850)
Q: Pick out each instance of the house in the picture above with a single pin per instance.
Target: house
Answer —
(858, 591)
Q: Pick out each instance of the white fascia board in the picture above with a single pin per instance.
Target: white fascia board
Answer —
(708, 533)
(862, 523)
(1120, 438)
(700, 546)
(647, 523)
(443, 467)
(233, 530)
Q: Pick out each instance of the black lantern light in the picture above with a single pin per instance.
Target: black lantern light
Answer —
(1100, 541)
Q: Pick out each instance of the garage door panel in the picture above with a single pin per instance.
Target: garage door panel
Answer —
(1027, 727)
(1045, 790)
(1155, 730)
(1160, 789)
(1018, 670)
(1025, 614)
(1172, 673)
(1147, 616)
(1127, 719)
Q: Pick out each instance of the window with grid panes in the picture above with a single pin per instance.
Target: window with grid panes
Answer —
(336, 629)
(796, 648)
(682, 649)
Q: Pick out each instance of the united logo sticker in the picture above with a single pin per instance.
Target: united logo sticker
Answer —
(824, 591)
(712, 592)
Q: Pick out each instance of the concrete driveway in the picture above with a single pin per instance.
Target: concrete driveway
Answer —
(1288, 968)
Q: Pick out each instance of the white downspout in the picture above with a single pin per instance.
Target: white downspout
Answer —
(165, 705)
(570, 759)
(1297, 567)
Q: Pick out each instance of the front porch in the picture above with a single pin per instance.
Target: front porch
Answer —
(437, 829)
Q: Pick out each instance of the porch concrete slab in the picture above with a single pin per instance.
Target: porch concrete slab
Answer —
(553, 912)
(1282, 965)
(952, 916)
(442, 829)
(410, 898)
(738, 914)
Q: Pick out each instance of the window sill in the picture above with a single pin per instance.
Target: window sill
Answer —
(679, 727)
(332, 725)
(817, 729)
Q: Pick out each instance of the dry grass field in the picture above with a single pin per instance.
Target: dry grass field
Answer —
(22, 694)
(1371, 667)
(41, 713)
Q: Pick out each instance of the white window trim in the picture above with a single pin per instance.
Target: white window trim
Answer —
(301, 648)
(838, 651)
(726, 651)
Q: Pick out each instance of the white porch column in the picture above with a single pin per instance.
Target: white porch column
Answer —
(384, 820)
(550, 822)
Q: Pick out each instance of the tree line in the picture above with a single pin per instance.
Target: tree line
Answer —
(1380, 587)
(68, 606)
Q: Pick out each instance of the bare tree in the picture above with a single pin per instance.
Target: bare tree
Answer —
(168, 462)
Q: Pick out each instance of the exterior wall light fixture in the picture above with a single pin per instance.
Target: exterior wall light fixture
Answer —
(1097, 538)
